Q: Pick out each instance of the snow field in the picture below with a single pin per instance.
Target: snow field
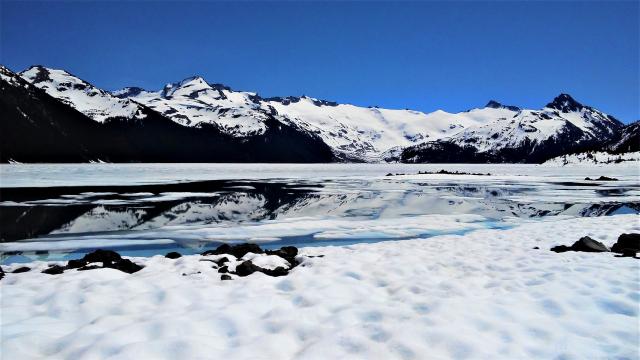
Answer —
(484, 295)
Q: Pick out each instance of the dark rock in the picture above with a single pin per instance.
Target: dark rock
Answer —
(1, 273)
(103, 256)
(74, 264)
(560, 248)
(90, 267)
(221, 261)
(536, 248)
(173, 255)
(285, 252)
(601, 178)
(222, 249)
(223, 270)
(588, 244)
(226, 277)
(246, 268)
(585, 244)
(628, 253)
(126, 265)
(53, 270)
(279, 271)
(21, 270)
(109, 259)
(627, 241)
(238, 251)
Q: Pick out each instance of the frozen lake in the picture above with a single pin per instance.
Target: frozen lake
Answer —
(54, 212)
(471, 276)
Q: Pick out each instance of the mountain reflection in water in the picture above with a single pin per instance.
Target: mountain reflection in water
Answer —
(183, 215)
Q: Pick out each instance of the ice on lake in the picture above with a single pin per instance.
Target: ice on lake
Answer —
(61, 211)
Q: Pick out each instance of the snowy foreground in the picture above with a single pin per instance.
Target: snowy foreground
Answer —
(484, 295)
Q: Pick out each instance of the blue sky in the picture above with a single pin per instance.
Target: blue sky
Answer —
(418, 55)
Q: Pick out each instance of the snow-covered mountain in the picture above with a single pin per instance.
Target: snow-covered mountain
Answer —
(50, 115)
(493, 133)
(354, 133)
(194, 102)
(511, 134)
(95, 103)
(374, 134)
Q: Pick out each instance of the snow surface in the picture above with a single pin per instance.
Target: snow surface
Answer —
(38, 175)
(483, 295)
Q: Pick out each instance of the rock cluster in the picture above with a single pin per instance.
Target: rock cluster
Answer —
(585, 244)
(601, 178)
(442, 172)
(98, 259)
(101, 259)
(627, 245)
(247, 267)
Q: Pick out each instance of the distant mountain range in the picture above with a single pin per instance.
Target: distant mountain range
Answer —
(50, 115)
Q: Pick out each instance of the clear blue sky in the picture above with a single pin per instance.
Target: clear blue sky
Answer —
(418, 55)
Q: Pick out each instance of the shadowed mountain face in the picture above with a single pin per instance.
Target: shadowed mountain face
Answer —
(629, 139)
(36, 127)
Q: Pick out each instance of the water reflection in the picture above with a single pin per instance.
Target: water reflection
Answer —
(148, 219)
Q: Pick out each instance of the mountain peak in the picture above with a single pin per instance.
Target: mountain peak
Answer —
(130, 91)
(565, 103)
(496, 105)
(36, 73)
(191, 83)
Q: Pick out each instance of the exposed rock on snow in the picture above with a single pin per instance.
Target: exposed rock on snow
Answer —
(601, 178)
(585, 244)
(98, 259)
(173, 255)
(250, 259)
(627, 244)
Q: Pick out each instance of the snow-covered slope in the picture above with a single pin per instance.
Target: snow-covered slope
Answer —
(194, 102)
(594, 157)
(513, 134)
(97, 104)
(367, 133)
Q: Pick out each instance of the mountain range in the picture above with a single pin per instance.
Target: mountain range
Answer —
(50, 115)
